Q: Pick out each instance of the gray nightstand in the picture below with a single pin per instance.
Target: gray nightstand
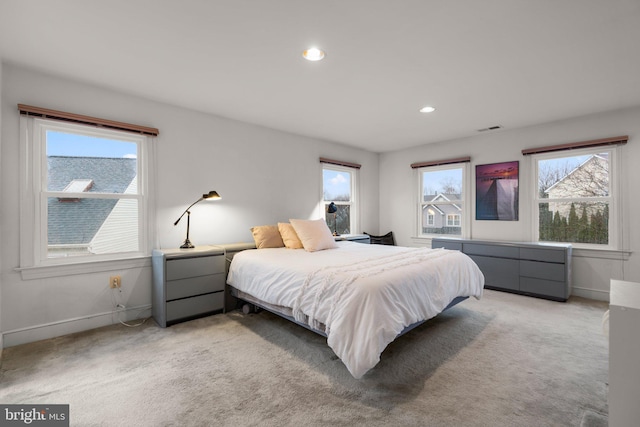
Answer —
(187, 283)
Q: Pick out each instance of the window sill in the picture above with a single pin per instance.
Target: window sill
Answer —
(88, 267)
(601, 253)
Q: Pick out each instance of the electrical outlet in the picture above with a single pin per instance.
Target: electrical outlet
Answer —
(115, 282)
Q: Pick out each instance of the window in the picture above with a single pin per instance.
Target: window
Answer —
(575, 197)
(431, 217)
(453, 220)
(443, 206)
(87, 197)
(339, 186)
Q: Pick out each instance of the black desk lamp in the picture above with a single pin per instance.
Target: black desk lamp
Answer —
(332, 208)
(211, 195)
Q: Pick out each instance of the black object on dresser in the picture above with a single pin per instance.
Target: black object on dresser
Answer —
(536, 269)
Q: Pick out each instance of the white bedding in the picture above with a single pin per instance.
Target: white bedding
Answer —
(365, 295)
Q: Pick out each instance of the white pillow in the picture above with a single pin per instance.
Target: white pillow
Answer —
(314, 234)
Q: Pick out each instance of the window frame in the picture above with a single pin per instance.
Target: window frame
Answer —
(354, 218)
(465, 222)
(613, 199)
(34, 194)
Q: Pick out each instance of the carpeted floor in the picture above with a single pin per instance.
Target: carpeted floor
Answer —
(506, 360)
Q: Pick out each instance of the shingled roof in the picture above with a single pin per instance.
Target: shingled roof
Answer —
(76, 221)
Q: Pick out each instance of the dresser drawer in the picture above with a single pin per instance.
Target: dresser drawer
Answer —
(491, 250)
(501, 273)
(446, 244)
(548, 288)
(181, 268)
(194, 306)
(545, 255)
(542, 270)
(195, 286)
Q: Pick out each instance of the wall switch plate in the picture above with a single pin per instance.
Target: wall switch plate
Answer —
(115, 282)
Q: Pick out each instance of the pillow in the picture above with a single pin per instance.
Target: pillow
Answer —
(267, 236)
(289, 236)
(314, 234)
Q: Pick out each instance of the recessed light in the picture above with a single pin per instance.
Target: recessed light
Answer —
(427, 109)
(313, 54)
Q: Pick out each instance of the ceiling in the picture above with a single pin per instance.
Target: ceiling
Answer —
(511, 63)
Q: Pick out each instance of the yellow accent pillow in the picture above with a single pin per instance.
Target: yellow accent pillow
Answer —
(289, 236)
(267, 236)
(314, 234)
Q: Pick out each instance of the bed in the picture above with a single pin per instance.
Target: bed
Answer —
(361, 297)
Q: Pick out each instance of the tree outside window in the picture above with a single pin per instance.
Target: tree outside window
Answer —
(574, 197)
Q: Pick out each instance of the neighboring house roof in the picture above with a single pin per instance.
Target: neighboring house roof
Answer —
(442, 197)
(591, 162)
(76, 221)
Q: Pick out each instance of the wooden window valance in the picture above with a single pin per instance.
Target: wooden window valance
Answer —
(441, 162)
(617, 140)
(46, 113)
(340, 163)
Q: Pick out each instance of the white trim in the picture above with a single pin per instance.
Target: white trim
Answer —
(616, 222)
(354, 203)
(465, 223)
(34, 194)
(82, 267)
(69, 326)
(594, 294)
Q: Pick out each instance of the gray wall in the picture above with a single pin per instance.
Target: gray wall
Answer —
(592, 270)
(263, 176)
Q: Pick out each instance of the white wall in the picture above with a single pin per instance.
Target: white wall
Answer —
(591, 272)
(1, 216)
(263, 176)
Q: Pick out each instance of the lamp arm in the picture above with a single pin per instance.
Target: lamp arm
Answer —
(187, 210)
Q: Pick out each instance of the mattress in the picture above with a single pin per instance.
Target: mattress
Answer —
(362, 296)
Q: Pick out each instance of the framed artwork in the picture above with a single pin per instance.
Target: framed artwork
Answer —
(497, 191)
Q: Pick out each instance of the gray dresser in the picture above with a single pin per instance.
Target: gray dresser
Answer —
(187, 283)
(537, 269)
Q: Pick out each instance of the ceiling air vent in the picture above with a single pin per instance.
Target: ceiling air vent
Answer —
(496, 127)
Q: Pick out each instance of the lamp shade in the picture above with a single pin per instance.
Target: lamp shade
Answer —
(211, 195)
(332, 208)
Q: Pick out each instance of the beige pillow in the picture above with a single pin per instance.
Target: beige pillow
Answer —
(267, 236)
(314, 234)
(289, 236)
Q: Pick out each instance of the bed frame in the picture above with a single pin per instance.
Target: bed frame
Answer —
(237, 298)
(251, 303)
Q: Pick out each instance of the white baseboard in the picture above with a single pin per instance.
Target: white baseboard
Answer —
(70, 326)
(595, 294)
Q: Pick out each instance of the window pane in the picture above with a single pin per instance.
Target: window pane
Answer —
(442, 185)
(574, 222)
(339, 222)
(91, 226)
(574, 176)
(336, 185)
(442, 207)
(78, 163)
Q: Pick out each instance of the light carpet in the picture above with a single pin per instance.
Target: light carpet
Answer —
(505, 360)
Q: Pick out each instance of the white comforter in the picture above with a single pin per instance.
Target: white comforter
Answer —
(364, 294)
